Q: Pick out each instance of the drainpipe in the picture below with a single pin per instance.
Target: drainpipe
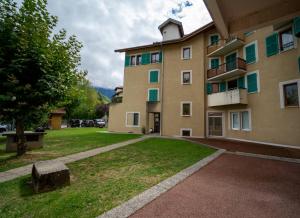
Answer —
(161, 88)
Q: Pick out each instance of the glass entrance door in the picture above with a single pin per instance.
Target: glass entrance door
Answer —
(215, 124)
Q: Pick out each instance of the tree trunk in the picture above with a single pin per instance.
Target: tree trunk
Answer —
(21, 148)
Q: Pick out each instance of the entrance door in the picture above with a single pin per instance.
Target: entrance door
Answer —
(231, 62)
(215, 124)
(156, 122)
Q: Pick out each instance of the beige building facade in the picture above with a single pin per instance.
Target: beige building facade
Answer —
(246, 87)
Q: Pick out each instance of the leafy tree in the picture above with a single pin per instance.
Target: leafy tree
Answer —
(37, 66)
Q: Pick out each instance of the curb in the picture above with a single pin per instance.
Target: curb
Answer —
(131, 206)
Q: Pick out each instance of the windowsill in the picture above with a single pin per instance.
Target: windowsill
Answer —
(235, 129)
(254, 62)
(186, 83)
(185, 115)
(288, 49)
(246, 130)
(186, 59)
(292, 106)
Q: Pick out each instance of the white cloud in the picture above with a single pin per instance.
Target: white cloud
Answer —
(106, 25)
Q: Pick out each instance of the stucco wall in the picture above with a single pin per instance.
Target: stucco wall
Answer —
(270, 123)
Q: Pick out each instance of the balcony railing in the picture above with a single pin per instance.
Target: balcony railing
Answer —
(224, 46)
(235, 96)
(227, 70)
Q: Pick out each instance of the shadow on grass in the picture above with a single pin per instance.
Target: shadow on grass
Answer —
(25, 187)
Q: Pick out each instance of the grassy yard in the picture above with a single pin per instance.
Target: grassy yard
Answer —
(60, 143)
(104, 181)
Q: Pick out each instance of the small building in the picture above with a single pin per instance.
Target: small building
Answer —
(55, 118)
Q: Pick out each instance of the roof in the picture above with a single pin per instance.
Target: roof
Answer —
(173, 41)
(170, 20)
(59, 111)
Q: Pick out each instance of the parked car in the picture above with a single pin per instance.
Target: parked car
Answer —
(87, 123)
(3, 127)
(100, 123)
(75, 123)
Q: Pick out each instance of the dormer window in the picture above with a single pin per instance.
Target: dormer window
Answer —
(154, 58)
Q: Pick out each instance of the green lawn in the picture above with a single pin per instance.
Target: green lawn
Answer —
(102, 182)
(60, 143)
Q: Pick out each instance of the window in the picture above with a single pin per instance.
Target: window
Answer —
(250, 53)
(240, 120)
(232, 84)
(286, 39)
(186, 77)
(291, 97)
(138, 59)
(132, 60)
(214, 39)
(186, 53)
(289, 93)
(214, 63)
(132, 119)
(155, 57)
(153, 76)
(215, 87)
(235, 120)
(186, 132)
(245, 120)
(152, 95)
(186, 109)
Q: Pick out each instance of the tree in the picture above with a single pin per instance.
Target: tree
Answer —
(37, 66)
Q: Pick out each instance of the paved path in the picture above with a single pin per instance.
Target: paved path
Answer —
(233, 186)
(25, 170)
(248, 147)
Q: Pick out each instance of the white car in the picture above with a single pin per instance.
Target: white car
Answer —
(3, 127)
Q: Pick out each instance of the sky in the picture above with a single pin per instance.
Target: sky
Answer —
(105, 25)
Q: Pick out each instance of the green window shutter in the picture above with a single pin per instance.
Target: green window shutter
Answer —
(154, 76)
(297, 26)
(160, 57)
(252, 82)
(214, 63)
(127, 60)
(208, 88)
(272, 45)
(146, 58)
(241, 82)
(250, 54)
(153, 95)
(222, 87)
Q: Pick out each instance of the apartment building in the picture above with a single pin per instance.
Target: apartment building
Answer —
(244, 87)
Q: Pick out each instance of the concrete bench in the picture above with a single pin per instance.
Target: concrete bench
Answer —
(49, 175)
(33, 140)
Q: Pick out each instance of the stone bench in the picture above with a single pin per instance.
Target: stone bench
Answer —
(49, 175)
(33, 140)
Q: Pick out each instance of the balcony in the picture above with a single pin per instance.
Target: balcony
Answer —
(235, 96)
(117, 99)
(227, 70)
(223, 47)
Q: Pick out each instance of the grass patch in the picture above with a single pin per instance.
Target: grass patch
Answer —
(104, 181)
(60, 143)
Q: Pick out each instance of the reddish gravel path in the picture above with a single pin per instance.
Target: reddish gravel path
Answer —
(233, 186)
(248, 147)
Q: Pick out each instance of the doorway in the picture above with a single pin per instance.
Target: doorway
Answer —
(215, 124)
(156, 128)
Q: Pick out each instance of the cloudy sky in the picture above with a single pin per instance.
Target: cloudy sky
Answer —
(106, 25)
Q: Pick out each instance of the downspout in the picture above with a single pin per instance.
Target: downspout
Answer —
(161, 88)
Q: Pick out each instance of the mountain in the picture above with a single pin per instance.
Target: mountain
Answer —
(106, 92)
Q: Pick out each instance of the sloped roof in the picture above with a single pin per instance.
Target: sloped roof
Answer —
(173, 41)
